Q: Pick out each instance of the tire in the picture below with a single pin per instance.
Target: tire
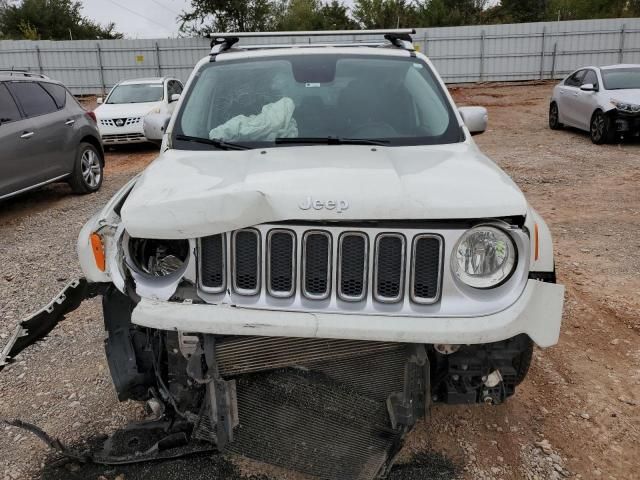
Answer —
(88, 170)
(523, 361)
(601, 129)
(554, 116)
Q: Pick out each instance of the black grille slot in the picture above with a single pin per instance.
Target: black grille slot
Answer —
(389, 267)
(281, 263)
(317, 264)
(426, 266)
(353, 266)
(212, 270)
(246, 253)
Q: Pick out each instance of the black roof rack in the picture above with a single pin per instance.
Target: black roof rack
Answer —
(23, 73)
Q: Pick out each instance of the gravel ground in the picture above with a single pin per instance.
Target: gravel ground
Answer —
(577, 415)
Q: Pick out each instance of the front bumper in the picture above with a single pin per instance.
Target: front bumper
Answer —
(112, 135)
(537, 313)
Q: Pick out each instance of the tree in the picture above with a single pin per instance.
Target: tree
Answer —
(313, 15)
(50, 20)
(518, 11)
(443, 13)
(384, 13)
(209, 16)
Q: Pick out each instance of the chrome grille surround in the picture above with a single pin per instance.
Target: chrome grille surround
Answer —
(237, 264)
(339, 283)
(202, 252)
(384, 266)
(440, 265)
(305, 276)
(269, 270)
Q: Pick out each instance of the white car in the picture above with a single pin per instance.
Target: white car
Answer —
(604, 101)
(318, 254)
(120, 116)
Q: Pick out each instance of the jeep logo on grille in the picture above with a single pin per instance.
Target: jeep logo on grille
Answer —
(337, 205)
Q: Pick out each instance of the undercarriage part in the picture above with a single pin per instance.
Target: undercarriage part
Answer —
(130, 351)
(38, 325)
(486, 373)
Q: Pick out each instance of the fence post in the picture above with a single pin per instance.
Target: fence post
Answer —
(544, 32)
(553, 60)
(158, 59)
(424, 43)
(39, 59)
(99, 55)
(482, 35)
(621, 52)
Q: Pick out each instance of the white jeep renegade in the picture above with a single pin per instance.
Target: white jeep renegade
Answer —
(318, 254)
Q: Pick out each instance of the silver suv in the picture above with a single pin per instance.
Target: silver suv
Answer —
(46, 136)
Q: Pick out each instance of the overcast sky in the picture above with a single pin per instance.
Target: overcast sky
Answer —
(140, 18)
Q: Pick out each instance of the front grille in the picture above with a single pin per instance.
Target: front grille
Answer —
(122, 137)
(358, 267)
(316, 265)
(389, 271)
(120, 122)
(246, 261)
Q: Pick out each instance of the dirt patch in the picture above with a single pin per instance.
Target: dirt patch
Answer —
(577, 414)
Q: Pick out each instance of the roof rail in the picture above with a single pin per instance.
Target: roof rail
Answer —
(399, 37)
(22, 73)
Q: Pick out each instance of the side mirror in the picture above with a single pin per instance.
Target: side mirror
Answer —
(475, 119)
(174, 97)
(155, 126)
(588, 87)
(99, 100)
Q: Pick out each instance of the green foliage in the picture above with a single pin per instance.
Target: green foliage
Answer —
(49, 20)
(313, 15)
(384, 13)
(207, 16)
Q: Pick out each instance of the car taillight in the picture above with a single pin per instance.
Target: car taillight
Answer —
(92, 116)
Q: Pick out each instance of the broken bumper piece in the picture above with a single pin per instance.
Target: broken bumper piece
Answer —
(39, 325)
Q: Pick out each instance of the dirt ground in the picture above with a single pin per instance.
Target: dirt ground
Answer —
(577, 414)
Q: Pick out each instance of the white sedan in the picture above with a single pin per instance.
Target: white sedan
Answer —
(120, 116)
(604, 101)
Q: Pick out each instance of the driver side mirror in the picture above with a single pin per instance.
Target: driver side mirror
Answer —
(475, 119)
(588, 87)
(99, 100)
(174, 97)
(155, 126)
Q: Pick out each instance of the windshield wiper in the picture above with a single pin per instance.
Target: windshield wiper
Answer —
(331, 141)
(221, 144)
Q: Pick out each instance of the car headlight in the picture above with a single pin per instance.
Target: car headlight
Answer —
(157, 258)
(484, 257)
(625, 106)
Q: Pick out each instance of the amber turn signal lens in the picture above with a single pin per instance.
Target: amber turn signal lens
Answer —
(536, 242)
(98, 251)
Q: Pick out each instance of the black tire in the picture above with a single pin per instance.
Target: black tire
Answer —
(554, 115)
(523, 361)
(88, 170)
(601, 130)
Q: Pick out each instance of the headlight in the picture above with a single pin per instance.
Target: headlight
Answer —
(626, 107)
(484, 257)
(157, 258)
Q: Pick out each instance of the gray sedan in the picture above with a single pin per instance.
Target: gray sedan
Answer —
(46, 136)
(604, 101)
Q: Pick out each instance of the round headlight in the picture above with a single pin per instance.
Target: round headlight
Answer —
(484, 257)
(158, 258)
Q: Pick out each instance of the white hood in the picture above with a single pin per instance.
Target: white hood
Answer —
(190, 194)
(627, 95)
(125, 110)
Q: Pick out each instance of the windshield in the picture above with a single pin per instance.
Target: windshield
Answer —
(286, 100)
(621, 78)
(136, 93)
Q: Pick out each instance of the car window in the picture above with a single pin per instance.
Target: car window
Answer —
(575, 80)
(590, 77)
(57, 92)
(256, 101)
(8, 109)
(621, 78)
(33, 99)
(174, 87)
(136, 93)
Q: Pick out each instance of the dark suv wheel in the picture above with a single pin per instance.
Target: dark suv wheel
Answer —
(601, 129)
(88, 172)
(554, 115)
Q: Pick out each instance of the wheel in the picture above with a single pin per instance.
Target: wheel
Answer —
(554, 116)
(601, 128)
(88, 171)
(523, 361)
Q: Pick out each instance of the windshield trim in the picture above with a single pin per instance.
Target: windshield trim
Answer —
(454, 129)
(129, 84)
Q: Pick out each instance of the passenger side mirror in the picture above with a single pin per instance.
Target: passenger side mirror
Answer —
(174, 97)
(99, 100)
(155, 126)
(475, 119)
(589, 87)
